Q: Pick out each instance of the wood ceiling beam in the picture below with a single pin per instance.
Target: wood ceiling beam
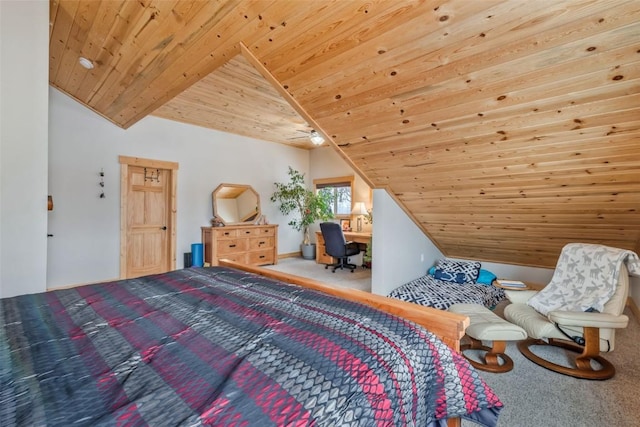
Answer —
(296, 106)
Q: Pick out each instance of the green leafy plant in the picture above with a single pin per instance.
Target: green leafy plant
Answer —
(369, 216)
(309, 207)
(366, 258)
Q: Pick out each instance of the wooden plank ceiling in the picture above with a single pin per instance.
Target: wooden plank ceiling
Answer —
(505, 129)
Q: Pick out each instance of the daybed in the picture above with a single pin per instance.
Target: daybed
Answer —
(451, 282)
(220, 346)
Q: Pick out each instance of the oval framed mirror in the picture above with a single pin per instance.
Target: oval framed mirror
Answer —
(236, 204)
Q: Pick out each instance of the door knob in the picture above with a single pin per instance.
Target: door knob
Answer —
(163, 228)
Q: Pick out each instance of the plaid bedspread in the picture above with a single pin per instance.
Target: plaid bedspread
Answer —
(216, 346)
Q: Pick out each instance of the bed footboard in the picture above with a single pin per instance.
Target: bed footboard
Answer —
(449, 327)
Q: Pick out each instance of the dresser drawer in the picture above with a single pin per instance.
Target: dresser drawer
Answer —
(266, 231)
(261, 257)
(239, 257)
(261, 242)
(222, 233)
(231, 246)
(248, 232)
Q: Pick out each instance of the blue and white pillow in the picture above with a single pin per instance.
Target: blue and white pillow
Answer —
(449, 276)
(462, 272)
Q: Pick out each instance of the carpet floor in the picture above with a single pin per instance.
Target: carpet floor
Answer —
(534, 396)
(359, 279)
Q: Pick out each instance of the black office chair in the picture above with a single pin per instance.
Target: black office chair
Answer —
(336, 246)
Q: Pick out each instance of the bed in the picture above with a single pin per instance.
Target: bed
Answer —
(451, 282)
(223, 346)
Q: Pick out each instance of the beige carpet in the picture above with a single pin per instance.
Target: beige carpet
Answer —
(359, 279)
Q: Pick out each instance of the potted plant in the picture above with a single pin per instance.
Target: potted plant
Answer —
(309, 207)
(366, 259)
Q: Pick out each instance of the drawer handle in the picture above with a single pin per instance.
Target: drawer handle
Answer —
(232, 246)
(262, 243)
(226, 233)
(247, 232)
(262, 256)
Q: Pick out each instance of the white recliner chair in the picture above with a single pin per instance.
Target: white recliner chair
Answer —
(579, 310)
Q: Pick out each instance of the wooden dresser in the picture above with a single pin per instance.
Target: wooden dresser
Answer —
(248, 244)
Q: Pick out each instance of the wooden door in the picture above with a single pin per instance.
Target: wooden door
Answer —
(148, 227)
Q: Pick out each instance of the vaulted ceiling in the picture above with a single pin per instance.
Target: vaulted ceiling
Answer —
(505, 129)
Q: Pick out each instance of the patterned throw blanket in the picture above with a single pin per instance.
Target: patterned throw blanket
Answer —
(431, 292)
(585, 278)
(217, 346)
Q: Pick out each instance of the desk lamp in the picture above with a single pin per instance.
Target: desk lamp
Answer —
(359, 209)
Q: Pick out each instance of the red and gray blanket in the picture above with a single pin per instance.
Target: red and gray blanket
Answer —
(217, 346)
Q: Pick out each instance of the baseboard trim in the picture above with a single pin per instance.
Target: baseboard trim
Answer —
(289, 255)
(75, 285)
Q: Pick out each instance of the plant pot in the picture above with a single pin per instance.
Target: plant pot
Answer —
(308, 251)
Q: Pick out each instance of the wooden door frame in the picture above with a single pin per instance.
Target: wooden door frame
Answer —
(125, 162)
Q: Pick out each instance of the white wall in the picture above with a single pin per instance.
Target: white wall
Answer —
(24, 65)
(86, 243)
(401, 252)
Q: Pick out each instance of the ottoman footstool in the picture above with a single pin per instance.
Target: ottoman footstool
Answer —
(487, 326)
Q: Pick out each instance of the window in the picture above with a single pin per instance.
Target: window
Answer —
(341, 189)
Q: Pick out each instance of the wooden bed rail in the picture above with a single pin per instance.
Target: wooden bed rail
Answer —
(449, 327)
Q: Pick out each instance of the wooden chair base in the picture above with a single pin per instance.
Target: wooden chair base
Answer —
(492, 356)
(583, 367)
